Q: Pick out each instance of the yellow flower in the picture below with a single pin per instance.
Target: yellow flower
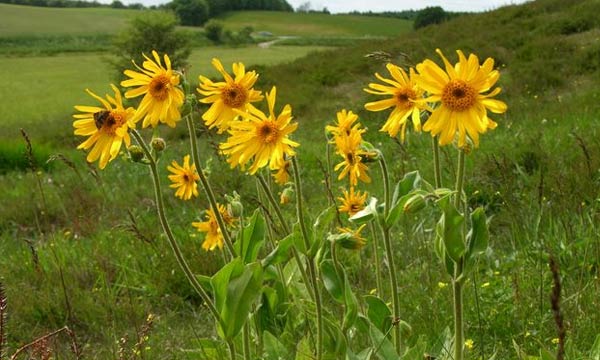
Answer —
(348, 147)
(214, 236)
(226, 97)
(460, 92)
(184, 179)
(281, 173)
(345, 124)
(261, 138)
(352, 202)
(107, 127)
(351, 239)
(162, 98)
(406, 98)
(469, 344)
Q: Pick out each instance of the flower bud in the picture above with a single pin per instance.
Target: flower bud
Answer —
(414, 204)
(235, 208)
(286, 195)
(136, 154)
(158, 144)
(188, 105)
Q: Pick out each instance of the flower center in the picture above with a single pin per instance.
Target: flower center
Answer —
(159, 87)
(403, 96)
(186, 178)
(108, 121)
(268, 132)
(350, 158)
(234, 95)
(354, 208)
(458, 95)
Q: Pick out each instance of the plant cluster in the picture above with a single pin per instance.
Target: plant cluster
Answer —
(269, 297)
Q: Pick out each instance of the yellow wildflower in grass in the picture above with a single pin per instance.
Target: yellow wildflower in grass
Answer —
(405, 96)
(352, 202)
(469, 344)
(184, 179)
(160, 87)
(460, 91)
(260, 138)
(227, 96)
(353, 240)
(214, 236)
(281, 173)
(345, 124)
(348, 147)
(106, 126)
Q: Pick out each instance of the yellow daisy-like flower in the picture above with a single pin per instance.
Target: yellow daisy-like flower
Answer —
(345, 124)
(226, 97)
(281, 173)
(352, 202)
(214, 236)
(348, 147)
(261, 138)
(406, 98)
(160, 86)
(353, 239)
(107, 127)
(460, 91)
(184, 179)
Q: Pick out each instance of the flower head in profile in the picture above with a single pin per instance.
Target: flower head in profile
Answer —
(352, 165)
(160, 86)
(281, 173)
(352, 202)
(462, 91)
(107, 127)
(184, 178)
(404, 96)
(214, 236)
(235, 93)
(351, 239)
(263, 140)
(345, 124)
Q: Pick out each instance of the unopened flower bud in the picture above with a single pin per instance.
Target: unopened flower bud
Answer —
(286, 195)
(136, 154)
(235, 208)
(188, 105)
(158, 144)
(414, 204)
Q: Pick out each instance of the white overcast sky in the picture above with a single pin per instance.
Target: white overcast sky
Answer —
(337, 6)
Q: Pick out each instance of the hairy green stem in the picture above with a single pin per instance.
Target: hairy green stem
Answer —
(286, 228)
(310, 259)
(390, 253)
(247, 355)
(167, 230)
(379, 282)
(456, 282)
(436, 162)
(208, 188)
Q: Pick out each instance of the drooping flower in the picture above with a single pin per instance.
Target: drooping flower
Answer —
(351, 238)
(184, 178)
(227, 96)
(160, 86)
(352, 202)
(214, 236)
(281, 173)
(405, 97)
(348, 147)
(259, 138)
(345, 124)
(106, 126)
(461, 91)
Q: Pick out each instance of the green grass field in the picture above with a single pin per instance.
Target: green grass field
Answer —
(72, 255)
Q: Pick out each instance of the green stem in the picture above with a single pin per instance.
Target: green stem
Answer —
(436, 162)
(456, 282)
(231, 347)
(208, 188)
(247, 341)
(310, 259)
(167, 230)
(390, 253)
(376, 252)
(286, 228)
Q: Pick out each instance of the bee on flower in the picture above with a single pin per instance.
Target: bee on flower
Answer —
(106, 126)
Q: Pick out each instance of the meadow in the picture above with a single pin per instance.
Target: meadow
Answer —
(81, 247)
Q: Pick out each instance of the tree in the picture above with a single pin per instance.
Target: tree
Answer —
(430, 15)
(213, 31)
(191, 12)
(152, 30)
(116, 4)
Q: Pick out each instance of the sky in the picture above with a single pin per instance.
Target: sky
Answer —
(343, 6)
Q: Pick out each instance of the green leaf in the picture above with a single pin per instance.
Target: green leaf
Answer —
(273, 348)
(383, 347)
(452, 230)
(478, 237)
(409, 182)
(281, 252)
(252, 238)
(324, 220)
(351, 305)
(236, 287)
(335, 342)
(595, 351)
(367, 214)
(332, 281)
(378, 312)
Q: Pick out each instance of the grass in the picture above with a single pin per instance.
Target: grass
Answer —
(537, 174)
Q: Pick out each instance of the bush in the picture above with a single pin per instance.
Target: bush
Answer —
(430, 15)
(191, 12)
(213, 30)
(153, 30)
